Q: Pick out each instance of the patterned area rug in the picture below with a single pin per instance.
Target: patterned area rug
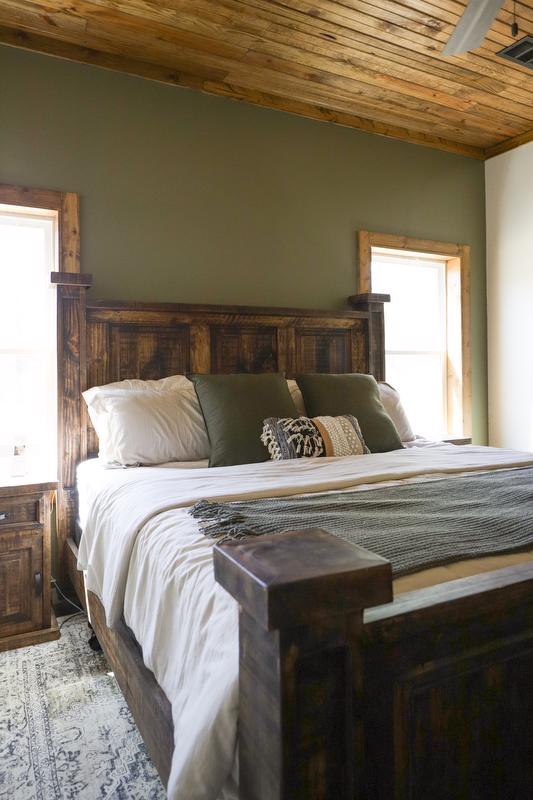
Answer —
(65, 729)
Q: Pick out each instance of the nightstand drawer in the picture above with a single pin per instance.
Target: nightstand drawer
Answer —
(20, 510)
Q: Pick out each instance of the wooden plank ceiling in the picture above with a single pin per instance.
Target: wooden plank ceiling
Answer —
(374, 65)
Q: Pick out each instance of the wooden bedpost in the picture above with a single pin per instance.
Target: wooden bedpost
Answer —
(301, 597)
(72, 439)
(374, 304)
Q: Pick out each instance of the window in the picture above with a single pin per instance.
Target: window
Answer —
(39, 233)
(427, 357)
(28, 253)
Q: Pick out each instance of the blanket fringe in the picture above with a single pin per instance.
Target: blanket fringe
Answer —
(219, 521)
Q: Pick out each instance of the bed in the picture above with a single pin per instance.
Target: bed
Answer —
(338, 691)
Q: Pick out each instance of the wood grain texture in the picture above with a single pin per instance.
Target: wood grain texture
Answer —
(29, 197)
(449, 694)
(67, 206)
(143, 340)
(458, 309)
(301, 596)
(25, 569)
(509, 144)
(301, 577)
(111, 341)
(440, 701)
(69, 233)
(377, 67)
(72, 426)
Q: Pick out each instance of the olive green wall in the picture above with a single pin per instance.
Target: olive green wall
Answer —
(194, 198)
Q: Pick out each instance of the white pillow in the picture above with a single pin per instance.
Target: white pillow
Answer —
(393, 406)
(148, 422)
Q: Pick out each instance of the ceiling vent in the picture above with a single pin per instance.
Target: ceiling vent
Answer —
(520, 52)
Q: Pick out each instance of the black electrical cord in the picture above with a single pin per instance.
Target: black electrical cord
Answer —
(56, 587)
(78, 611)
(71, 616)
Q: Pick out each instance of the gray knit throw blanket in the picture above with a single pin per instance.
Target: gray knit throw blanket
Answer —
(414, 525)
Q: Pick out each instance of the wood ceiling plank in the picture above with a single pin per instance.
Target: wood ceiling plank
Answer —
(362, 15)
(140, 43)
(313, 93)
(244, 21)
(293, 20)
(509, 144)
(407, 20)
(304, 90)
(464, 96)
(490, 83)
(42, 44)
(453, 10)
(406, 28)
(365, 62)
(396, 34)
(168, 10)
(82, 12)
(302, 87)
(394, 59)
(430, 17)
(156, 46)
(438, 115)
(140, 47)
(38, 43)
(62, 23)
(281, 57)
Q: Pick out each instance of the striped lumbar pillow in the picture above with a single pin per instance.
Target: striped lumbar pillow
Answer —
(307, 437)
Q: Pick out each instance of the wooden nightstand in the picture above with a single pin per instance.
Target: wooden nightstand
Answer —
(26, 615)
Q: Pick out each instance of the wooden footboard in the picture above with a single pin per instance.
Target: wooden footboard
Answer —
(429, 696)
(449, 691)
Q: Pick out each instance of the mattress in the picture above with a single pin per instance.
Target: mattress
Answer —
(146, 560)
(92, 477)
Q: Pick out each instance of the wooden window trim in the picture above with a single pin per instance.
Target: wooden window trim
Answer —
(67, 205)
(457, 261)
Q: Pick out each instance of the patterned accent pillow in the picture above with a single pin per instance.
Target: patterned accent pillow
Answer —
(307, 437)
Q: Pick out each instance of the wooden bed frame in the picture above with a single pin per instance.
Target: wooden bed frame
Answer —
(343, 693)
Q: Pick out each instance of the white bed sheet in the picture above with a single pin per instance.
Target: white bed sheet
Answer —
(146, 560)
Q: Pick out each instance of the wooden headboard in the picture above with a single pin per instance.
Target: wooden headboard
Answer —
(106, 341)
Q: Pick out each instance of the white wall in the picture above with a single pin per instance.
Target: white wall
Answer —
(509, 201)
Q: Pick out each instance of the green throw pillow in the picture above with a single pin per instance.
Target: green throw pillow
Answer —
(234, 407)
(358, 395)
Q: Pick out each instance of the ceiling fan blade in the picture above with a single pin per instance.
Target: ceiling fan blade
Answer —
(473, 26)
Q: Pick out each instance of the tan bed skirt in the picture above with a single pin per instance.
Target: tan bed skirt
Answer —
(461, 569)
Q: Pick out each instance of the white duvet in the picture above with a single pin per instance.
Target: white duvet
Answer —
(145, 559)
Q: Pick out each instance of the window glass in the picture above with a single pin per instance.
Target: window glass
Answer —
(28, 335)
(415, 336)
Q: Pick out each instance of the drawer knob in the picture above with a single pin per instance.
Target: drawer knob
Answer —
(4, 516)
(38, 582)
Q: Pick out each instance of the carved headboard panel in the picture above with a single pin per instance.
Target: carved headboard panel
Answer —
(104, 342)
